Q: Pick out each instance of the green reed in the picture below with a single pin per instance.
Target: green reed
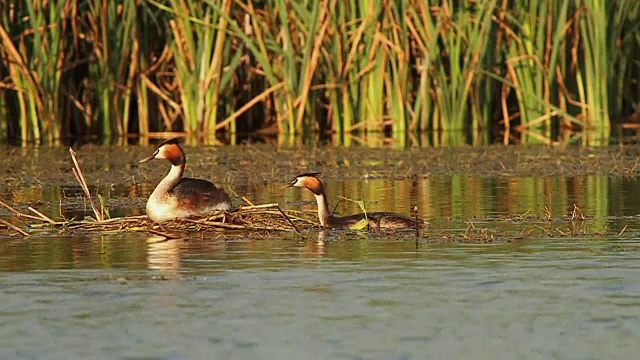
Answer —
(111, 26)
(592, 76)
(601, 25)
(267, 54)
(452, 42)
(466, 41)
(533, 37)
(34, 56)
(197, 47)
(368, 68)
(289, 53)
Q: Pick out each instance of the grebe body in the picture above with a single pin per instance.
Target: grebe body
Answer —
(180, 197)
(387, 220)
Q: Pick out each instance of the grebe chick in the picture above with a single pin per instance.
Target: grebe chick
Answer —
(388, 220)
(180, 197)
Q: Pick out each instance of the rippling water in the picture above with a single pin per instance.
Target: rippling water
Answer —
(132, 297)
(548, 284)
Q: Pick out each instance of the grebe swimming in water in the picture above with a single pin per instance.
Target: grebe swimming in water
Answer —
(388, 220)
(180, 197)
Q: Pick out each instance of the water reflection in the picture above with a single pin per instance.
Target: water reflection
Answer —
(174, 258)
(164, 254)
(244, 299)
(443, 199)
(472, 197)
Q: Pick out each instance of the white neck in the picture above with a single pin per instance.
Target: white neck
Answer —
(169, 181)
(323, 209)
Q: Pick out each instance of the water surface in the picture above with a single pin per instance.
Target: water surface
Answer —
(131, 297)
(512, 266)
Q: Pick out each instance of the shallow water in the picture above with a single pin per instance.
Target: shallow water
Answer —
(508, 269)
(129, 297)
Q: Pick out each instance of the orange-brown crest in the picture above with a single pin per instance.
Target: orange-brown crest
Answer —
(172, 151)
(311, 182)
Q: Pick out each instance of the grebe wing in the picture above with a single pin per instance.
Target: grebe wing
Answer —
(345, 221)
(199, 193)
(382, 219)
(391, 220)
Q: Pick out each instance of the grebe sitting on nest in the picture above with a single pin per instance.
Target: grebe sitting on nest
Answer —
(178, 197)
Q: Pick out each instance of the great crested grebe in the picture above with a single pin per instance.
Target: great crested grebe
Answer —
(386, 220)
(180, 197)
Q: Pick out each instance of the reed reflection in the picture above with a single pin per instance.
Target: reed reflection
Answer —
(473, 197)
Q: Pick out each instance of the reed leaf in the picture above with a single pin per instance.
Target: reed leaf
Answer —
(111, 27)
(594, 62)
(535, 34)
(36, 55)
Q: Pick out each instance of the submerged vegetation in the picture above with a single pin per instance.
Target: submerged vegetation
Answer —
(510, 71)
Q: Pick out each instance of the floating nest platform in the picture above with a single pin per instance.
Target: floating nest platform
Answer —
(264, 219)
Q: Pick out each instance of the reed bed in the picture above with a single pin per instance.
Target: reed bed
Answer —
(515, 71)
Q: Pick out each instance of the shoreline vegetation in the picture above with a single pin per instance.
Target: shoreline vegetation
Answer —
(521, 71)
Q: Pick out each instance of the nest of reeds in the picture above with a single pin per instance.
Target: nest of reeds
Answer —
(263, 218)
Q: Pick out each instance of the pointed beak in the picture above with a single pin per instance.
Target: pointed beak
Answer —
(148, 158)
(286, 186)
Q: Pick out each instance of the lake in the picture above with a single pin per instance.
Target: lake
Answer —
(522, 259)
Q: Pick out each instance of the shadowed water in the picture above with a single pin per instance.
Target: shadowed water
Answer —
(511, 267)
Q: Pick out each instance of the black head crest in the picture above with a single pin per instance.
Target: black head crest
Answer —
(311, 174)
(295, 179)
(175, 141)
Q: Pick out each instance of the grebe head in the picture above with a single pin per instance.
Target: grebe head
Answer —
(309, 181)
(169, 150)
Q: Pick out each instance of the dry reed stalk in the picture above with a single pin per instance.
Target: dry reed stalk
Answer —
(256, 207)
(83, 184)
(622, 231)
(120, 219)
(10, 225)
(416, 219)
(260, 97)
(247, 200)
(41, 215)
(18, 213)
(219, 224)
(165, 234)
(290, 222)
